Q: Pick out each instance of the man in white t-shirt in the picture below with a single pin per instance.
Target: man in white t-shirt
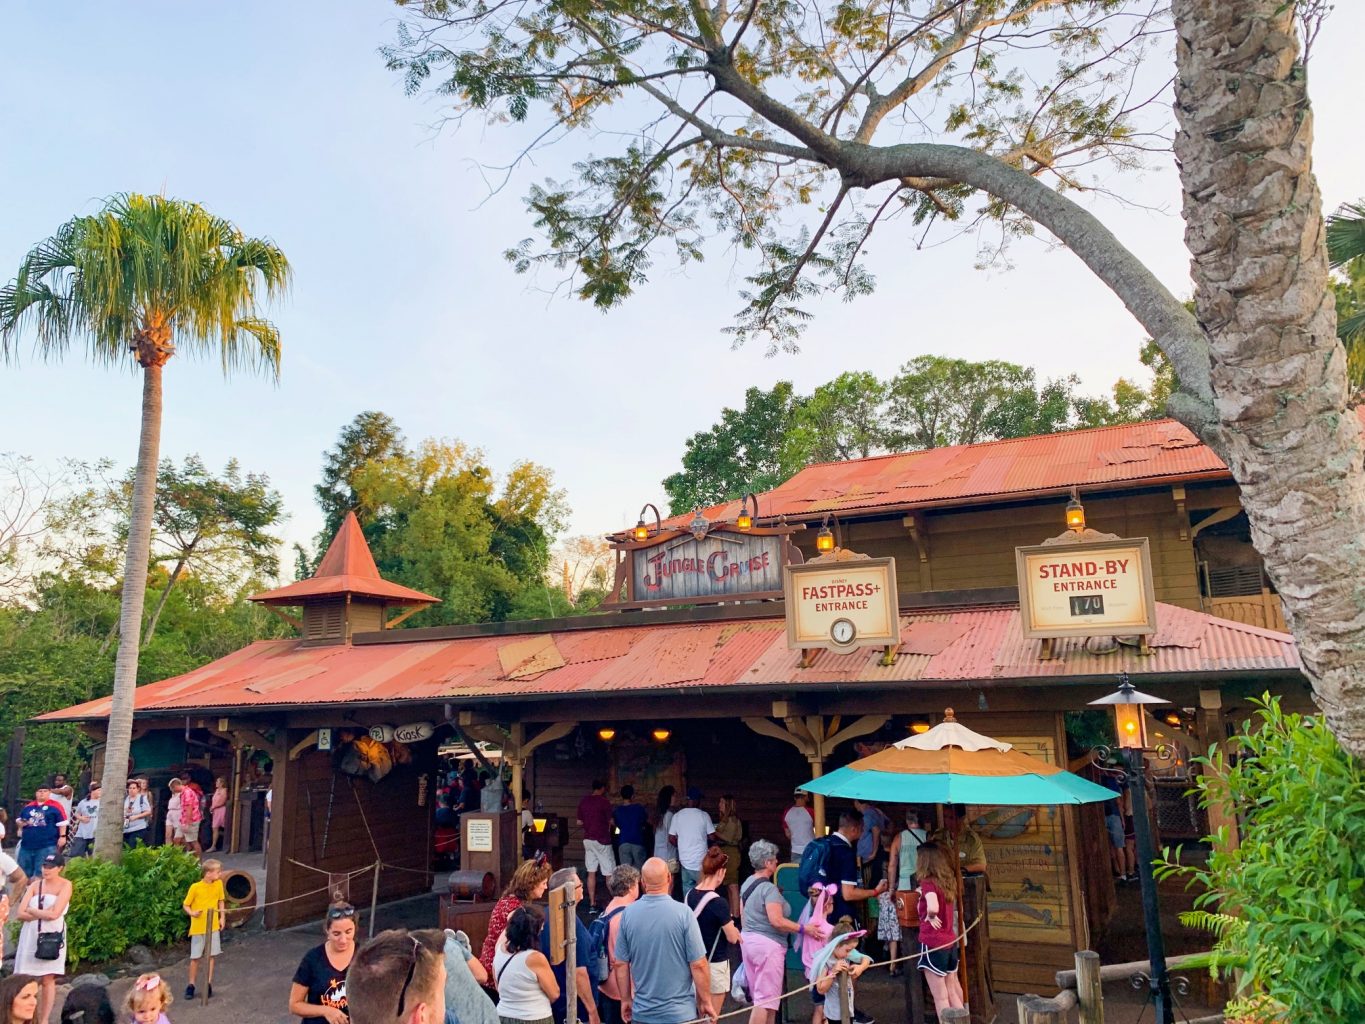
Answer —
(691, 831)
(799, 824)
(62, 793)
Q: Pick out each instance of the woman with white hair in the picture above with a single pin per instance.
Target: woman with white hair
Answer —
(767, 920)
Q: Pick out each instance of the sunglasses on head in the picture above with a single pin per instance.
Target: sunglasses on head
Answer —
(338, 913)
(417, 948)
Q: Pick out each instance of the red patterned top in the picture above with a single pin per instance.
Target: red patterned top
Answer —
(497, 924)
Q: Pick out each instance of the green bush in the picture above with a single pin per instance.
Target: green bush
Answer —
(1297, 880)
(114, 906)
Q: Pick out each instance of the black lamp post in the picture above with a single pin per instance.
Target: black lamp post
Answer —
(1129, 712)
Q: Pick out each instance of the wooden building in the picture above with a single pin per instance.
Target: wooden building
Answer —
(712, 696)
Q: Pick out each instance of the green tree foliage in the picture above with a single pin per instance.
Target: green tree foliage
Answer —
(438, 520)
(1346, 248)
(933, 401)
(1297, 875)
(938, 401)
(56, 635)
(370, 437)
(743, 452)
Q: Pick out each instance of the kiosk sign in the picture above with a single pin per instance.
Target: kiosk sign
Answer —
(842, 605)
(1101, 588)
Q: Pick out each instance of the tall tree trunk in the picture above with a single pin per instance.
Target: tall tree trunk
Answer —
(118, 742)
(161, 602)
(1254, 228)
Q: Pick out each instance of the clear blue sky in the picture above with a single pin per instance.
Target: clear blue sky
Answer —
(281, 117)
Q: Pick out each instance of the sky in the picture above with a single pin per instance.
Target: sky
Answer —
(282, 118)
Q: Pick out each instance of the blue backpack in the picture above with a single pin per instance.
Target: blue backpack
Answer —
(814, 867)
(598, 962)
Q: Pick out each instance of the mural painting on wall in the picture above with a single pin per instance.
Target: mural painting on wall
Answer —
(647, 766)
(1030, 894)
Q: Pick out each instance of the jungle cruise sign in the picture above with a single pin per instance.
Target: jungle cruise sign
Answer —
(1086, 588)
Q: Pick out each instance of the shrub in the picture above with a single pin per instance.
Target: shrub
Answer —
(114, 906)
(1297, 880)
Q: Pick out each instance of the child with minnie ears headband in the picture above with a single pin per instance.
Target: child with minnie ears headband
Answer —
(149, 1000)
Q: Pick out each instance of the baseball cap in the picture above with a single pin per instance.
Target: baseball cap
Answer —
(693, 793)
(54, 860)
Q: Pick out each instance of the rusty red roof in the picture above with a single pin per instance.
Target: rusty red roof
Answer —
(1100, 458)
(944, 646)
(347, 568)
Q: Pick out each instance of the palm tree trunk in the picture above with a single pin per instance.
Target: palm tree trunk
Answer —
(118, 742)
(1254, 227)
(161, 603)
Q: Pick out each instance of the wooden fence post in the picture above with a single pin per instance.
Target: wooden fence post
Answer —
(1037, 1010)
(1089, 990)
(845, 998)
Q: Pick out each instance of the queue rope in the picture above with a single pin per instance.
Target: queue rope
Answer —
(878, 964)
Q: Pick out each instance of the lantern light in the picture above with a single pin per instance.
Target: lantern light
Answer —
(1173, 718)
(1129, 713)
(540, 823)
(661, 735)
(606, 734)
(640, 533)
(1075, 512)
(824, 540)
(744, 520)
(919, 726)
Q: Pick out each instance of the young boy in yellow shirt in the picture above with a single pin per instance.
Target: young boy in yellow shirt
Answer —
(204, 905)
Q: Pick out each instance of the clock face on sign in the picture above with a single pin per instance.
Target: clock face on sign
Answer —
(842, 631)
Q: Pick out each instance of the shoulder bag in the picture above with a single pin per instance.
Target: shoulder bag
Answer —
(50, 943)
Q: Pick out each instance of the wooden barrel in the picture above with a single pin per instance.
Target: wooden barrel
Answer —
(240, 890)
(472, 886)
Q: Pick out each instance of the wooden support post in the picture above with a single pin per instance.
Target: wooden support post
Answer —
(278, 835)
(1037, 1010)
(845, 999)
(1212, 731)
(374, 898)
(1089, 991)
(914, 989)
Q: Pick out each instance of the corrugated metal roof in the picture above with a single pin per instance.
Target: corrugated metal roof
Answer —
(943, 646)
(1129, 454)
(347, 568)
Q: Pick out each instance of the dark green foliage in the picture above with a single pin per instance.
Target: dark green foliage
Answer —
(138, 901)
(933, 401)
(1297, 878)
(743, 452)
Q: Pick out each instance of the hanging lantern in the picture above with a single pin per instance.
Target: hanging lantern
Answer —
(744, 520)
(661, 735)
(1075, 512)
(640, 533)
(1129, 714)
(606, 734)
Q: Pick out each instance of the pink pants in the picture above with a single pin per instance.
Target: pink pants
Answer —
(763, 963)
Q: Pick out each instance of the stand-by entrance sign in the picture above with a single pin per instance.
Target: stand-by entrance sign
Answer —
(1096, 588)
(842, 605)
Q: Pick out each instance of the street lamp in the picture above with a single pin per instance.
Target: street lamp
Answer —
(641, 531)
(1129, 711)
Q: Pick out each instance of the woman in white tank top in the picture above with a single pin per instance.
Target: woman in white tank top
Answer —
(525, 982)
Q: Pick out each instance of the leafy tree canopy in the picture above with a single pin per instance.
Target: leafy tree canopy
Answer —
(439, 520)
(933, 401)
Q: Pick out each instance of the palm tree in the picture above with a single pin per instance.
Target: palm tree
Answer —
(130, 282)
(1346, 252)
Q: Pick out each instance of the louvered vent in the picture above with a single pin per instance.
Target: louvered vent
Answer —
(1235, 581)
(324, 620)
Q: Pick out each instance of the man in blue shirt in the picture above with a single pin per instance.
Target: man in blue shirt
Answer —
(660, 943)
(583, 983)
(42, 831)
(630, 820)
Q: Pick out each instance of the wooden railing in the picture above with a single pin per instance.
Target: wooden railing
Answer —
(1263, 610)
(1083, 990)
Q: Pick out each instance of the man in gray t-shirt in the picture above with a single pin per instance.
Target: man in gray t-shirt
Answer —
(660, 942)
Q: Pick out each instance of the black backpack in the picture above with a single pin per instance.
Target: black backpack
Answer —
(814, 867)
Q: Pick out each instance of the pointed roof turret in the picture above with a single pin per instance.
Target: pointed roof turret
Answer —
(346, 568)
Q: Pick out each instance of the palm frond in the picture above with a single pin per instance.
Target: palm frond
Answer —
(1346, 233)
(101, 278)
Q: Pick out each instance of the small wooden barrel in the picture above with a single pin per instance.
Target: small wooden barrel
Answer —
(240, 890)
(472, 886)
